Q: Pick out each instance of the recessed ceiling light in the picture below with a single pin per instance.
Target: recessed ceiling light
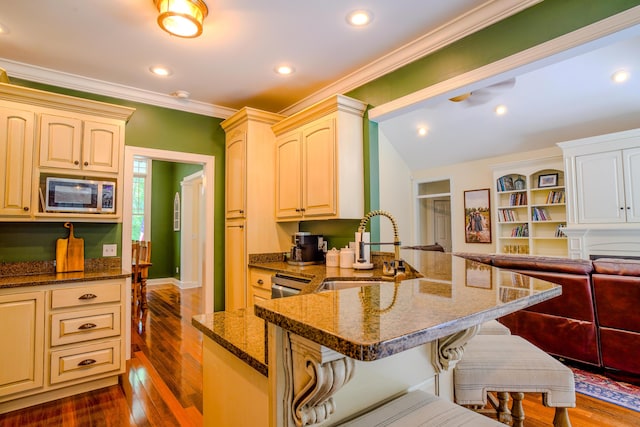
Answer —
(620, 76)
(285, 70)
(182, 94)
(160, 70)
(359, 18)
(4, 29)
(501, 110)
(423, 130)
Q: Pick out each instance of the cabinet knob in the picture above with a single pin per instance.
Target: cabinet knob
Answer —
(628, 207)
(260, 282)
(621, 208)
(86, 163)
(26, 209)
(298, 210)
(241, 211)
(76, 163)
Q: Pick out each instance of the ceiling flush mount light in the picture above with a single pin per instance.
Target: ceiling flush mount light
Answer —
(422, 131)
(160, 70)
(359, 18)
(285, 70)
(501, 110)
(181, 94)
(182, 18)
(620, 76)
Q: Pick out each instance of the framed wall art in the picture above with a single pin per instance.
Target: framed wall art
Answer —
(548, 180)
(477, 216)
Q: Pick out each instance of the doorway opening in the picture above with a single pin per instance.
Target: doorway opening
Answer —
(205, 229)
(433, 204)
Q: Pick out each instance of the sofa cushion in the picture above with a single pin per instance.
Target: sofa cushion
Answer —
(620, 350)
(616, 301)
(539, 263)
(617, 266)
(572, 339)
(576, 301)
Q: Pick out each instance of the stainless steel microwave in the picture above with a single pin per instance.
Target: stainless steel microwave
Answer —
(80, 195)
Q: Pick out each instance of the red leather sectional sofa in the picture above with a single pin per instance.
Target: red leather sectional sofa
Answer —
(595, 322)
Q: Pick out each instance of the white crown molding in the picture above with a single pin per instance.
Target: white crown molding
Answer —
(488, 13)
(481, 17)
(527, 58)
(71, 81)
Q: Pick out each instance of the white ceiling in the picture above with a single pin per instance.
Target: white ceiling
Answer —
(571, 99)
(109, 45)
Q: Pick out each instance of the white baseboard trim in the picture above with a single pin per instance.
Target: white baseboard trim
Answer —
(173, 281)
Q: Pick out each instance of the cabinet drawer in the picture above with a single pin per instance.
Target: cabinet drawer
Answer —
(259, 294)
(86, 295)
(260, 278)
(82, 362)
(85, 325)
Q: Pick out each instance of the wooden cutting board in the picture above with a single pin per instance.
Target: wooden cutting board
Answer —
(69, 252)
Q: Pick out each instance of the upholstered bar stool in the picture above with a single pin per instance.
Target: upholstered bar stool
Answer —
(511, 364)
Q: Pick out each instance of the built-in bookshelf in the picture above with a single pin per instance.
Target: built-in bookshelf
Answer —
(530, 207)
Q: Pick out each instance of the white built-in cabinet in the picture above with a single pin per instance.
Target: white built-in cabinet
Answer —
(250, 226)
(604, 178)
(319, 162)
(16, 157)
(50, 134)
(60, 339)
(530, 207)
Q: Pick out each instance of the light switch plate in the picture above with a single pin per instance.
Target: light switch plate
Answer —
(110, 249)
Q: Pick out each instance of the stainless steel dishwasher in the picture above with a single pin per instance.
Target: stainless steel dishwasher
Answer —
(284, 285)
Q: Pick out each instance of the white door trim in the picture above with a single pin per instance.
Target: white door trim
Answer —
(208, 163)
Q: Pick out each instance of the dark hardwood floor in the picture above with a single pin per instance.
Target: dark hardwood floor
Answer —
(163, 382)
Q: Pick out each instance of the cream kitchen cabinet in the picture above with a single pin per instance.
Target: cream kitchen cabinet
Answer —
(49, 134)
(70, 143)
(249, 199)
(259, 286)
(70, 340)
(319, 162)
(604, 172)
(16, 157)
(22, 334)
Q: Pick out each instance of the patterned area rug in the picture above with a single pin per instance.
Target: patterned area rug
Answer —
(603, 388)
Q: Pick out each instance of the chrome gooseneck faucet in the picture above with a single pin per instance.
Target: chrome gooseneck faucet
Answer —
(397, 267)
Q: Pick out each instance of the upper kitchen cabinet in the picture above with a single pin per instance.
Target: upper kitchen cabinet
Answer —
(48, 134)
(319, 162)
(16, 158)
(72, 144)
(604, 178)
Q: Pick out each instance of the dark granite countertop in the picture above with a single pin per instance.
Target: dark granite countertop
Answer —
(240, 332)
(376, 321)
(39, 273)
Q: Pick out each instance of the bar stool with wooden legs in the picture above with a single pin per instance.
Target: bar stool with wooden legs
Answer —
(135, 280)
(509, 364)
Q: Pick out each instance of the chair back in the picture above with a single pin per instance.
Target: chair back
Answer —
(135, 260)
(145, 251)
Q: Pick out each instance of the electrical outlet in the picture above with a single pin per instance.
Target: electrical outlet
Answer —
(178, 270)
(110, 250)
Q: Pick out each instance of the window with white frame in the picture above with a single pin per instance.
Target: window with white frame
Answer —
(141, 199)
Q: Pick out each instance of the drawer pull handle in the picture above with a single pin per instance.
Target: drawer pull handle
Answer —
(87, 362)
(87, 326)
(260, 282)
(88, 296)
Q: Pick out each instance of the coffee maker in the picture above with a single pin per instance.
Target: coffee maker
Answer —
(307, 249)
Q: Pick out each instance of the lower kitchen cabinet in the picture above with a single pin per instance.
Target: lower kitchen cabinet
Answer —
(259, 285)
(65, 338)
(22, 336)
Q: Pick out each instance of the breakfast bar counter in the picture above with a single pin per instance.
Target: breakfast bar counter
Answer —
(331, 354)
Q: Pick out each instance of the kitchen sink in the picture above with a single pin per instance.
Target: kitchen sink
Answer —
(332, 285)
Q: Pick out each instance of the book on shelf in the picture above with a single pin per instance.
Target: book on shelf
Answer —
(505, 183)
(559, 232)
(520, 231)
(540, 214)
(518, 199)
(507, 215)
(555, 197)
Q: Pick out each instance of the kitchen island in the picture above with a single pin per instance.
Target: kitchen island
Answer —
(334, 354)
